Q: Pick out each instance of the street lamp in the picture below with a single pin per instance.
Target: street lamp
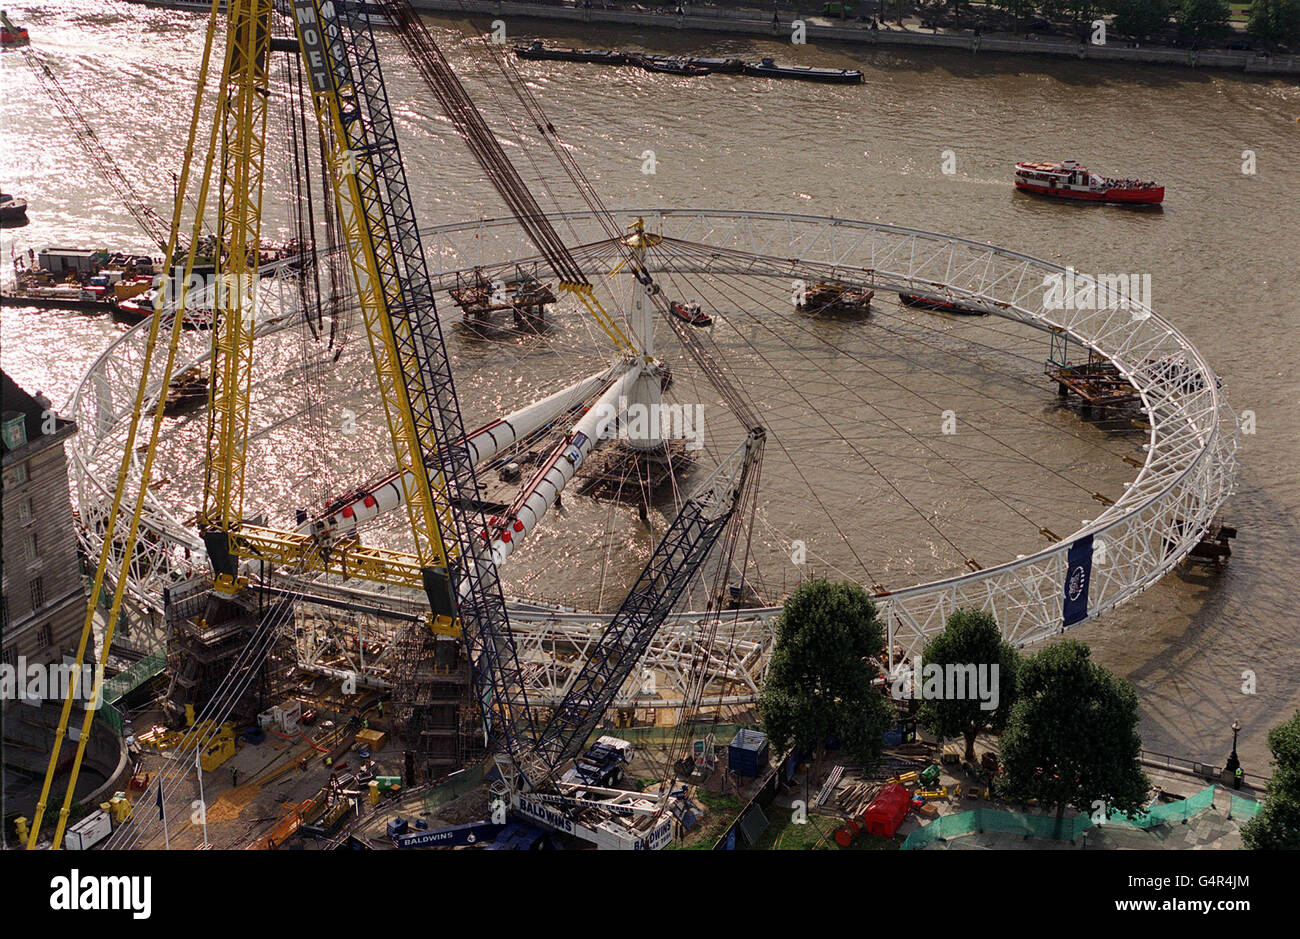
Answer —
(1233, 762)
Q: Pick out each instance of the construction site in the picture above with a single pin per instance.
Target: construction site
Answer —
(303, 564)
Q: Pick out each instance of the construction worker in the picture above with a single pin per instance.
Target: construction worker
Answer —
(329, 761)
(1237, 778)
(381, 708)
(234, 776)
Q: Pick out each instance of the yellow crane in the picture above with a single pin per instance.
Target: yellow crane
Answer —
(410, 360)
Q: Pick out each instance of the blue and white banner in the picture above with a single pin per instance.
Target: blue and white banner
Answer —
(1078, 575)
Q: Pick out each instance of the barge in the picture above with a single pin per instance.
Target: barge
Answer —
(768, 68)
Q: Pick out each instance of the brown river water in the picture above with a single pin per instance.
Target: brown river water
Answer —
(1223, 257)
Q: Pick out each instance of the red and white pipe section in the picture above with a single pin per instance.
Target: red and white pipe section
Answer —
(484, 444)
(504, 532)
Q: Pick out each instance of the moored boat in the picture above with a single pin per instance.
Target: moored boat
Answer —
(539, 51)
(940, 304)
(11, 35)
(142, 306)
(1070, 180)
(718, 65)
(768, 68)
(672, 65)
(12, 208)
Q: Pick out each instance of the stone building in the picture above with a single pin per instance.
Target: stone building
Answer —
(44, 596)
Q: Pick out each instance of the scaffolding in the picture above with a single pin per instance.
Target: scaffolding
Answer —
(479, 296)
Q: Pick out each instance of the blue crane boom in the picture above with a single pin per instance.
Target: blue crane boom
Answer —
(679, 555)
(468, 587)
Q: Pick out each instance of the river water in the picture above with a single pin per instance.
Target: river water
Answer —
(1223, 257)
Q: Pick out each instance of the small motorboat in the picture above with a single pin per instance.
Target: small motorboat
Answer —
(690, 313)
(12, 209)
(940, 305)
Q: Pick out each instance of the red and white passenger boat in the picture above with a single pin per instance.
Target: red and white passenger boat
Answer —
(1069, 180)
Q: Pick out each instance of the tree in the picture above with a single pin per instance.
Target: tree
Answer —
(1203, 19)
(1139, 18)
(1274, 21)
(1277, 826)
(1071, 738)
(819, 681)
(1019, 10)
(970, 637)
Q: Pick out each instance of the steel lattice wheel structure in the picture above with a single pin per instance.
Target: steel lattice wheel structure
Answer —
(1187, 473)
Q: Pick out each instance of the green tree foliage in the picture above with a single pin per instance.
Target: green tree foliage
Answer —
(1071, 738)
(1203, 19)
(1139, 18)
(1021, 10)
(819, 681)
(970, 637)
(1277, 826)
(1275, 21)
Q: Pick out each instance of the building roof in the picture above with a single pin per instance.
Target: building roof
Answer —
(14, 399)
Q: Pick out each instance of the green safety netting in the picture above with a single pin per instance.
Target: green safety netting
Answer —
(459, 783)
(1047, 826)
(123, 684)
(1242, 808)
(998, 820)
(1178, 811)
(110, 716)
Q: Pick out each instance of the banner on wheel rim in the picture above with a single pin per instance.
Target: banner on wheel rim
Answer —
(1078, 575)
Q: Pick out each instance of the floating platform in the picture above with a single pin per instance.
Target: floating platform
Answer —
(1213, 548)
(1097, 382)
(831, 297)
(478, 297)
(51, 302)
(626, 474)
(185, 392)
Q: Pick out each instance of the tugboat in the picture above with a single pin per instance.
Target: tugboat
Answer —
(1069, 180)
(11, 35)
(690, 313)
(939, 305)
(12, 209)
